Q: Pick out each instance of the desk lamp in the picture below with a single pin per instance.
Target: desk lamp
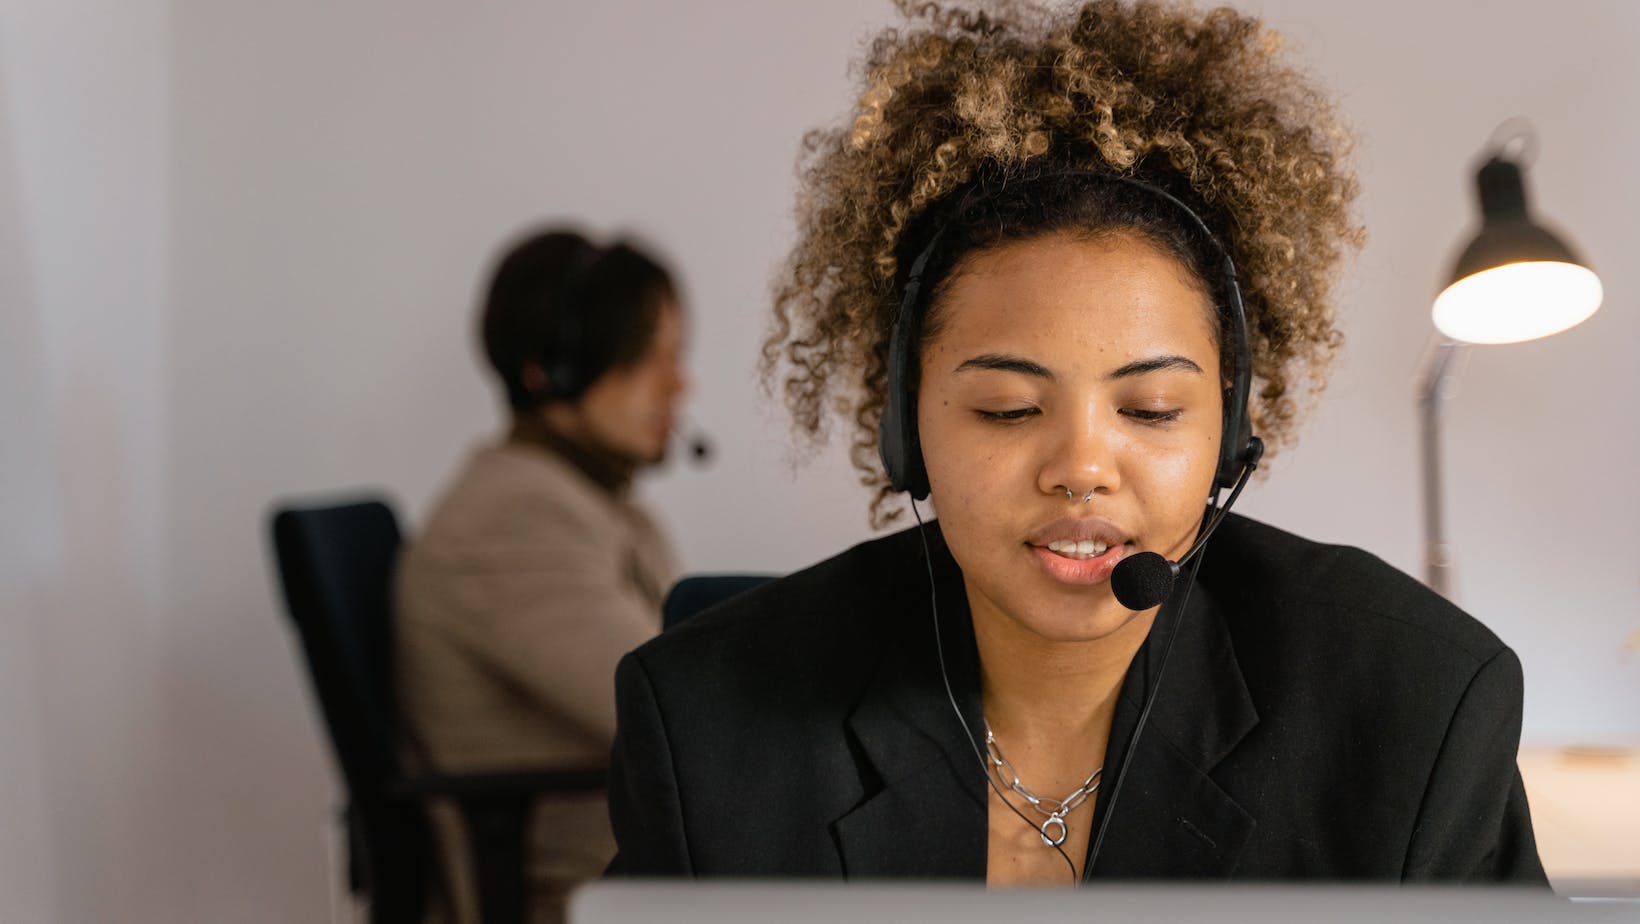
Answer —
(1514, 281)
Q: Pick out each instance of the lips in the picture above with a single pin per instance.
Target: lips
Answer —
(1084, 551)
(1078, 529)
(1071, 548)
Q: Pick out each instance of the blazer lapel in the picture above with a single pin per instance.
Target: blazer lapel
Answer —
(924, 815)
(927, 818)
(1170, 819)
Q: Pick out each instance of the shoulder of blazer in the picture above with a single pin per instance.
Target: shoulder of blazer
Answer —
(1265, 574)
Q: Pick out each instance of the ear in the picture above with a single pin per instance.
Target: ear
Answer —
(534, 380)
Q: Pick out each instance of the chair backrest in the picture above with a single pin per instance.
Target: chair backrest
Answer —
(336, 564)
(703, 591)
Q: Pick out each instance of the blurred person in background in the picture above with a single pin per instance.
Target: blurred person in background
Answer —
(536, 570)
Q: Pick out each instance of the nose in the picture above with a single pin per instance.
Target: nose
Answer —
(1081, 459)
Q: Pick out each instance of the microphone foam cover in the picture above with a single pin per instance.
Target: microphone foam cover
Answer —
(1143, 580)
(700, 449)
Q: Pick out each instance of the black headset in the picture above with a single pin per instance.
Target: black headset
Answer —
(897, 441)
(566, 379)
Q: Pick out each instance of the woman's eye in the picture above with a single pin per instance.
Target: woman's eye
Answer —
(1006, 416)
(1149, 416)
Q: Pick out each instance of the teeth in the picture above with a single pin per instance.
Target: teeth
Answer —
(1087, 548)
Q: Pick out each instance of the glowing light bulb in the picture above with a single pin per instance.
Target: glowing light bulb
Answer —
(1518, 301)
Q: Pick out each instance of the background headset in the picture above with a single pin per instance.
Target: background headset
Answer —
(897, 441)
(561, 361)
(567, 378)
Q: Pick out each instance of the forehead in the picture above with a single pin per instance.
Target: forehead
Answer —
(669, 323)
(1116, 295)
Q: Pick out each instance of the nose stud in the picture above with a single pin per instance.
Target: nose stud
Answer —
(1071, 495)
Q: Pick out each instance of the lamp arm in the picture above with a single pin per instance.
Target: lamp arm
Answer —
(1433, 384)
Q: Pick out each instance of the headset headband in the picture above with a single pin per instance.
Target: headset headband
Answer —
(897, 439)
(562, 364)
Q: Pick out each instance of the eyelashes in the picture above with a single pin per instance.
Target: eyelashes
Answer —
(1012, 416)
(1150, 416)
(1017, 415)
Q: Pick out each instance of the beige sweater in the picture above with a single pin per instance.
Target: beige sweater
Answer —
(527, 585)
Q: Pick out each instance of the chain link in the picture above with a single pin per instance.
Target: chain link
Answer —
(1061, 807)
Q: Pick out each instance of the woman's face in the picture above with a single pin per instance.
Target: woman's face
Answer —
(631, 410)
(1068, 363)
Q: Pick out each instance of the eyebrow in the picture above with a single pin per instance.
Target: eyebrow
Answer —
(1000, 362)
(1155, 364)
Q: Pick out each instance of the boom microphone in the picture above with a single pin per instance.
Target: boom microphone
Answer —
(695, 441)
(700, 448)
(1146, 579)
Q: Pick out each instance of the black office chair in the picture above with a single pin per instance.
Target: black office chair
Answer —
(336, 565)
(703, 591)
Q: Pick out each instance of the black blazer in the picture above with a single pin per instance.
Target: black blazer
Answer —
(1323, 716)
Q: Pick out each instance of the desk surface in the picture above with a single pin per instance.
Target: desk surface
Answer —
(1586, 813)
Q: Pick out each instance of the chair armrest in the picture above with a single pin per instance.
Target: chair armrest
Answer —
(496, 808)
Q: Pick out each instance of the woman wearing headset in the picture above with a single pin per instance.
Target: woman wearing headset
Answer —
(1061, 266)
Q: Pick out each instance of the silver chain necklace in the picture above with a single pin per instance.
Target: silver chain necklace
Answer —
(1055, 809)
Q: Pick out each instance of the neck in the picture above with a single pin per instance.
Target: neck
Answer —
(1033, 687)
(605, 469)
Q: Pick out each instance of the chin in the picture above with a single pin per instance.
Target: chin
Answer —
(1087, 620)
(649, 455)
(639, 451)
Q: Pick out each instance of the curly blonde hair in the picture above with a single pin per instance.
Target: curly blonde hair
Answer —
(1198, 103)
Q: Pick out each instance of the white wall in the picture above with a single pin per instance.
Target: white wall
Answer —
(1543, 509)
(241, 247)
(84, 191)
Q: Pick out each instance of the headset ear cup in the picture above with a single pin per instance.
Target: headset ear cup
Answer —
(1239, 449)
(897, 446)
(561, 378)
(917, 477)
(897, 443)
(1236, 450)
(890, 450)
(568, 304)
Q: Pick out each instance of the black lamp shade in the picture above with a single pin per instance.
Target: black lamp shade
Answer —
(1515, 280)
(1508, 234)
